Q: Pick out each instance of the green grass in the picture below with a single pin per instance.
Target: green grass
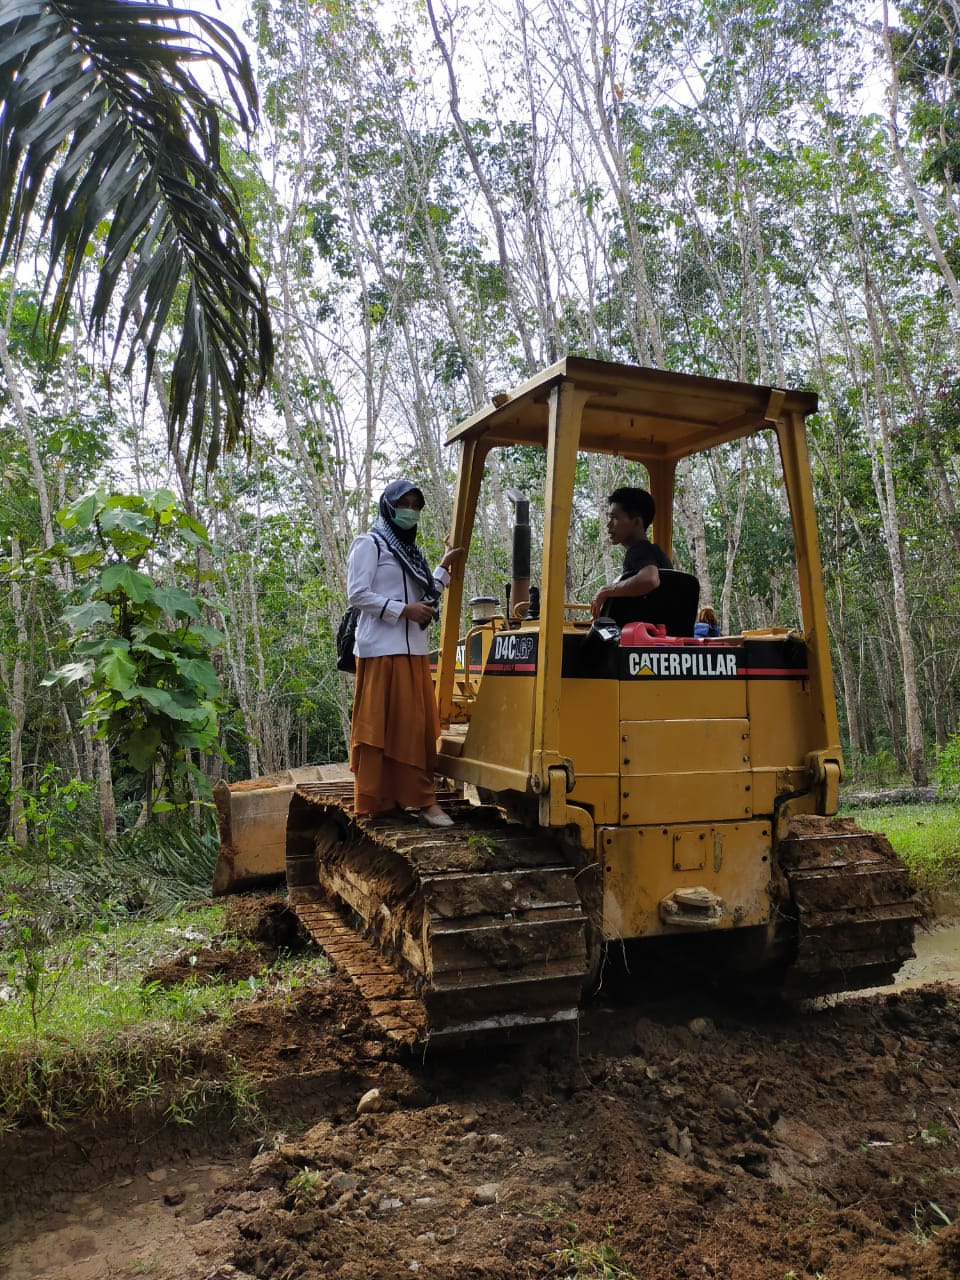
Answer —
(81, 1034)
(92, 983)
(579, 1260)
(926, 836)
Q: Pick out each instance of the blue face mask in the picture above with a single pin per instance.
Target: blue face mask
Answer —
(406, 517)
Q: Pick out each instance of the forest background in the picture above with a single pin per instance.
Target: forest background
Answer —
(444, 199)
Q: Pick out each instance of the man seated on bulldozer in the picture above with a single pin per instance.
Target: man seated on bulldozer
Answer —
(630, 514)
(649, 589)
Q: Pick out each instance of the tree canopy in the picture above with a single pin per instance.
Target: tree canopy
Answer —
(438, 203)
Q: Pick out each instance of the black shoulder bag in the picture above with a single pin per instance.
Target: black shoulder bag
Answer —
(347, 633)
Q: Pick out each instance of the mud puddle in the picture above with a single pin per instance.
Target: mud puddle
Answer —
(937, 958)
(144, 1225)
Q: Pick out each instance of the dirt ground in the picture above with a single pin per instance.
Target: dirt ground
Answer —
(676, 1138)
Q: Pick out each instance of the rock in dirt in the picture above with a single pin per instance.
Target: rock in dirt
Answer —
(488, 1193)
(340, 1182)
(701, 1027)
(267, 1169)
(721, 1095)
(371, 1101)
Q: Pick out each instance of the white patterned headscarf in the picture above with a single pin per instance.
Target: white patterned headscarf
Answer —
(403, 542)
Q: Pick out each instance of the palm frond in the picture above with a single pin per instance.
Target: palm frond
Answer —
(102, 117)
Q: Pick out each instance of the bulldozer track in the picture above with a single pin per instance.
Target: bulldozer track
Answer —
(451, 934)
(852, 912)
(391, 999)
(478, 930)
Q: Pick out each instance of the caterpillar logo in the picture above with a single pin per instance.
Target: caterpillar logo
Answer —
(682, 664)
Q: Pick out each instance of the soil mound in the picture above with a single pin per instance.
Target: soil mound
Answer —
(664, 1142)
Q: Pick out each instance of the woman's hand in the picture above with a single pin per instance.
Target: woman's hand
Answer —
(451, 555)
(419, 611)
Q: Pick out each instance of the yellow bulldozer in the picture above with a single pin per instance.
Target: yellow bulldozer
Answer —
(610, 784)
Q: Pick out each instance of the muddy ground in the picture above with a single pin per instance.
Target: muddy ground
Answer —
(678, 1138)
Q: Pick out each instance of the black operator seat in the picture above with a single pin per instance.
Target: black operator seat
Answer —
(673, 605)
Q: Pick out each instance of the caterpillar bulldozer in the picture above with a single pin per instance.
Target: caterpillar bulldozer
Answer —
(611, 783)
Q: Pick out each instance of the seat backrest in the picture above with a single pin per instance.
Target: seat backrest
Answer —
(674, 604)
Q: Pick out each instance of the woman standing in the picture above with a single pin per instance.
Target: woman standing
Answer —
(395, 727)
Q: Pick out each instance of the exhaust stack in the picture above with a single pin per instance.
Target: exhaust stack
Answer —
(520, 567)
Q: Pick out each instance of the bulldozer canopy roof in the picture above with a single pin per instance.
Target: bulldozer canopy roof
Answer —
(635, 412)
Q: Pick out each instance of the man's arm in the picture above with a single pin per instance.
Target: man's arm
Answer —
(640, 583)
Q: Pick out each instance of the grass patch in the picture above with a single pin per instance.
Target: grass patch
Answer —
(92, 982)
(579, 1260)
(926, 836)
(82, 1035)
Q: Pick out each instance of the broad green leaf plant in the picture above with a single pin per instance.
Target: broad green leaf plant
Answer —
(141, 648)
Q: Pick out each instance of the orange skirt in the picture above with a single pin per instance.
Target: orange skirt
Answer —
(393, 736)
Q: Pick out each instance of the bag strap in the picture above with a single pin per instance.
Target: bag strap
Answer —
(382, 545)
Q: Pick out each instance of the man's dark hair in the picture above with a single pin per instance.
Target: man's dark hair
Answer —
(635, 502)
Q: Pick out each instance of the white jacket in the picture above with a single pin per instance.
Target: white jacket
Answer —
(379, 587)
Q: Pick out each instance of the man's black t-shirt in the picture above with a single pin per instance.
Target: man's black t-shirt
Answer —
(640, 555)
(626, 609)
